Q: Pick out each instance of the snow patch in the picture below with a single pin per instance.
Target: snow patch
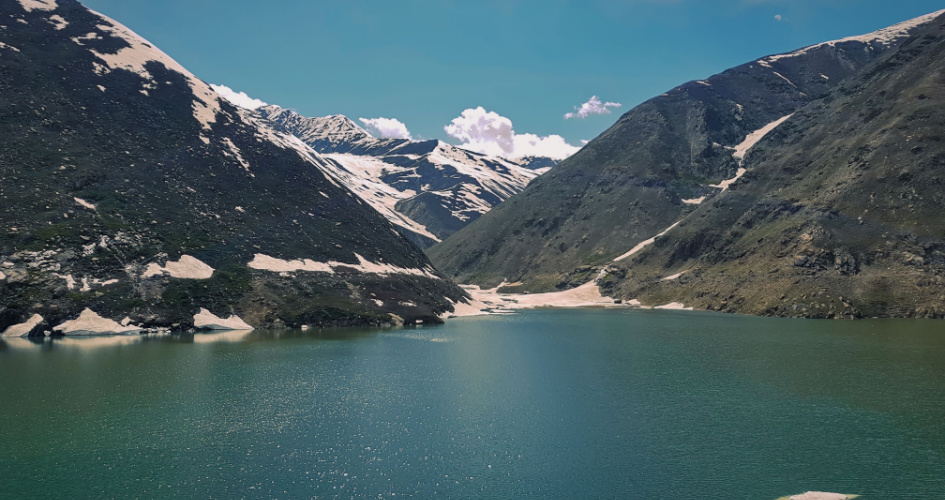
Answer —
(779, 75)
(84, 204)
(207, 320)
(728, 182)
(186, 267)
(369, 267)
(753, 138)
(2, 276)
(235, 151)
(84, 38)
(5, 46)
(673, 277)
(90, 323)
(644, 244)
(485, 302)
(23, 329)
(206, 104)
(674, 306)
(46, 5)
(70, 281)
(266, 263)
(58, 22)
(694, 201)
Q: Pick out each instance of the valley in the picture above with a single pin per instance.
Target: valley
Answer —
(203, 294)
(803, 184)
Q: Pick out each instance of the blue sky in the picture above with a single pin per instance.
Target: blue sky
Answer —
(532, 61)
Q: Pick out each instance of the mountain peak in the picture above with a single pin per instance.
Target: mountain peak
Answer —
(330, 129)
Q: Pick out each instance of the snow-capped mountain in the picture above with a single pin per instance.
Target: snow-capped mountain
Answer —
(729, 176)
(132, 192)
(431, 189)
(327, 134)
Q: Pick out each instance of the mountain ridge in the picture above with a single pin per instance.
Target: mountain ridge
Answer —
(429, 188)
(131, 189)
(839, 215)
(649, 170)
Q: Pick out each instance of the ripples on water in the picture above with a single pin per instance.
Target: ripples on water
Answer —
(547, 404)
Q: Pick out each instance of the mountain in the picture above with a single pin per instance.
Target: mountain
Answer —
(665, 161)
(430, 189)
(130, 190)
(840, 213)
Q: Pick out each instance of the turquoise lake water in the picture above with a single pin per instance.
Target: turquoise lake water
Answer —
(546, 404)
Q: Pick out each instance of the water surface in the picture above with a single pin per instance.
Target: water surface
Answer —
(546, 404)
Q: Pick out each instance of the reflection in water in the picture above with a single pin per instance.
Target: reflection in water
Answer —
(209, 337)
(221, 336)
(76, 343)
(424, 336)
(24, 342)
(86, 343)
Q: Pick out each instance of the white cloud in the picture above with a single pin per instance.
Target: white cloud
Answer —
(551, 146)
(387, 128)
(490, 133)
(778, 17)
(593, 106)
(238, 99)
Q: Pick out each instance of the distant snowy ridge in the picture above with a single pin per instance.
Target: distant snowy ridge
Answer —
(457, 184)
(443, 187)
(335, 129)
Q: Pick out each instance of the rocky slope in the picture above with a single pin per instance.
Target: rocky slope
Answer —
(131, 189)
(430, 189)
(662, 162)
(839, 215)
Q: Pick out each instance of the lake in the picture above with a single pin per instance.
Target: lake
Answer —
(566, 404)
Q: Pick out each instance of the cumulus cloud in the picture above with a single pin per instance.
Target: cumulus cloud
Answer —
(593, 106)
(778, 17)
(238, 99)
(387, 128)
(490, 133)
